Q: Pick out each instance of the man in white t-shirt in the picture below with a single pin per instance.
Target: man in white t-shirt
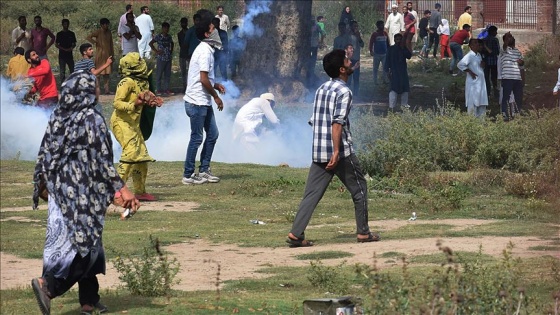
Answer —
(21, 35)
(201, 89)
(146, 26)
(224, 19)
(250, 117)
(130, 35)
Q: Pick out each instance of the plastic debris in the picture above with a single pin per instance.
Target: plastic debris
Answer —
(413, 217)
(256, 222)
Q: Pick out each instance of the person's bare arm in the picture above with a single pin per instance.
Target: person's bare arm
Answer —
(205, 81)
(336, 138)
(103, 67)
(51, 35)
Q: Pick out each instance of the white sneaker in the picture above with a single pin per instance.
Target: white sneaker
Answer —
(194, 179)
(209, 177)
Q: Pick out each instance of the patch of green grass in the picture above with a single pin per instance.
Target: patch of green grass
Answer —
(392, 254)
(329, 254)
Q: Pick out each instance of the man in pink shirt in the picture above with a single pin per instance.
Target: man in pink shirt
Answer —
(39, 36)
(44, 81)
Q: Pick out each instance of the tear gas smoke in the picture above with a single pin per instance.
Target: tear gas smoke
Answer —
(248, 28)
(22, 129)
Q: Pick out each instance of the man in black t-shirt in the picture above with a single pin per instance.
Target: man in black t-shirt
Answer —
(423, 28)
(65, 42)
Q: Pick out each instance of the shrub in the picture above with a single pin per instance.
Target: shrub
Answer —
(473, 287)
(405, 146)
(332, 279)
(151, 274)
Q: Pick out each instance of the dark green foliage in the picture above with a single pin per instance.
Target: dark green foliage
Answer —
(411, 143)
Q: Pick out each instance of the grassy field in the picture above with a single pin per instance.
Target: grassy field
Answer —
(270, 194)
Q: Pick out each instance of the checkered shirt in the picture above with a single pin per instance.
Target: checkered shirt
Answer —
(332, 104)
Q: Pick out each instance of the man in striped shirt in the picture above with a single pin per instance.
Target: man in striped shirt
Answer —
(511, 72)
(333, 153)
(87, 64)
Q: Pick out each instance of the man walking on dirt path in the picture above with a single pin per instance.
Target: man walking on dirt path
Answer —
(333, 153)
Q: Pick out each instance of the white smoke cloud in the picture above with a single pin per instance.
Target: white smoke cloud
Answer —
(248, 28)
(23, 127)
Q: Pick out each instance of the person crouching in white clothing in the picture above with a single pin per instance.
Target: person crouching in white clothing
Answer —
(249, 119)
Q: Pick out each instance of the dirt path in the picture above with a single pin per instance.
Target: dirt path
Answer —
(199, 258)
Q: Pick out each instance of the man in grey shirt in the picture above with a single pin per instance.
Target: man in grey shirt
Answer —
(435, 21)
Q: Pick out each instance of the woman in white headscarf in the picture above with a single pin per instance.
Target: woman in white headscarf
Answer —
(444, 33)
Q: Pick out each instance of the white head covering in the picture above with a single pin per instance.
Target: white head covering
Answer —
(444, 29)
(268, 96)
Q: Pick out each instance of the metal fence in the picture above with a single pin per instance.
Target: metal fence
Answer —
(518, 14)
(511, 14)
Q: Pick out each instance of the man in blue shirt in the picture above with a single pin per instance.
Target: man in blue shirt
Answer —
(333, 153)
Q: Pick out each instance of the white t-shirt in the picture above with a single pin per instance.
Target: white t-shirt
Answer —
(201, 60)
(25, 43)
(224, 22)
(249, 117)
(128, 45)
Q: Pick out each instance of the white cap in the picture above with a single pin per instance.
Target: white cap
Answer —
(395, 6)
(268, 96)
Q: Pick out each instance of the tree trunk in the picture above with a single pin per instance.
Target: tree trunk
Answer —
(273, 62)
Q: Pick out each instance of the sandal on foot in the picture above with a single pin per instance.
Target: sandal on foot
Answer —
(372, 237)
(41, 294)
(298, 242)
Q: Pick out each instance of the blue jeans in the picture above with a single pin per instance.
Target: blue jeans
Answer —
(379, 59)
(457, 51)
(426, 41)
(202, 119)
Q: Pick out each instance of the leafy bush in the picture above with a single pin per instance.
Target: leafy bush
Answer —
(544, 54)
(151, 274)
(407, 145)
(333, 279)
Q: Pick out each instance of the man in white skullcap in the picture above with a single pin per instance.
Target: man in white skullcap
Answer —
(394, 24)
(249, 119)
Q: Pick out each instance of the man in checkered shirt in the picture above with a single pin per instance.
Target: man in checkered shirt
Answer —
(333, 153)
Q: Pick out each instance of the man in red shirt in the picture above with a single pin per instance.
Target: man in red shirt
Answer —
(456, 44)
(44, 81)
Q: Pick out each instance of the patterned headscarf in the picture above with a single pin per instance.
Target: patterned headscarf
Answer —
(76, 162)
(132, 65)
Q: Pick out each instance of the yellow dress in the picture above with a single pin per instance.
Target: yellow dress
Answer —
(125, 121)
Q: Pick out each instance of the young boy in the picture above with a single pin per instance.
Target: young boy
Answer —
(87, 64)
(322, 32)
(423, 28)
(476, 98)
(163, 67)
(378, 44)
(349, 49)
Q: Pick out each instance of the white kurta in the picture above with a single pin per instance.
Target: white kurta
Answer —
(250, 117)
(146, 27)
(394, 25)
(475, 89)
